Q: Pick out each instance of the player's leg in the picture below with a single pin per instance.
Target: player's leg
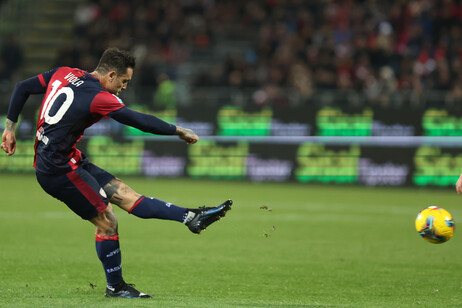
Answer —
(83, 195)
(147, 207)
(107, 245)
(141, 206)
(108, 250)
(126, 198)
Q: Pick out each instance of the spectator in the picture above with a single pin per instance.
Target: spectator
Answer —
(11, 57)
(342, 44)
(164, 98)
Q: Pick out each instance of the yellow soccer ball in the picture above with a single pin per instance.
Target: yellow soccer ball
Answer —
(435, 225)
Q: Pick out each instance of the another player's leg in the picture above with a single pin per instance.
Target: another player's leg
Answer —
(146, 207)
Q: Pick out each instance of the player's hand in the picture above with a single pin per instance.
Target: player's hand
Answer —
(8, 142)
(459, 185)
(187, 135)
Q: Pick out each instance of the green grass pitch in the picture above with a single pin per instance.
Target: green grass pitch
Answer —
(282, 245)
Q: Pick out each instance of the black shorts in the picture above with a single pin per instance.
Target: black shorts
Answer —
(81, 189)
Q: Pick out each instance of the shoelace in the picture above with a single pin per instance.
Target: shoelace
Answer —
(131, 285)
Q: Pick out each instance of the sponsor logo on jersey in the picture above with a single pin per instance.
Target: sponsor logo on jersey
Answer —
(41, 135)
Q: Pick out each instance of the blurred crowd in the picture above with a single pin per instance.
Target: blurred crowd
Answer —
(11, 58)
(377, 48)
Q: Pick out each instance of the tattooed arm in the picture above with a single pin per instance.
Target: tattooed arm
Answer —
(8, 138)
(22, 90)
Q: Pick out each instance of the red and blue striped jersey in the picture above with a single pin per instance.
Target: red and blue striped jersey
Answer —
(73, 101)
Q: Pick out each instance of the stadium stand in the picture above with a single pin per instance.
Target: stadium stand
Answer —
(277, 52)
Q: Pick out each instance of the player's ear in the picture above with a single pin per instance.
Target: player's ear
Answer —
(112, 75)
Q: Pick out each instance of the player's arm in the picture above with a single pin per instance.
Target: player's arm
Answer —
(8, 138)
(151, 124)
(21, 92)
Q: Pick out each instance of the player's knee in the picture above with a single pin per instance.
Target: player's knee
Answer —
(106, 222)
(106, 229)
(121, 194)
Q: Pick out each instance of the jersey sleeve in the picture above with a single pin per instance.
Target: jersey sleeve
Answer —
(144, 122)
(34, 85)
(44, 78)
(105, 103)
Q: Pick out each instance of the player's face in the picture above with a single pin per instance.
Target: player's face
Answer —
(119, 82)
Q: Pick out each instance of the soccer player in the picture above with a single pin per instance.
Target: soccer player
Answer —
(73, 100)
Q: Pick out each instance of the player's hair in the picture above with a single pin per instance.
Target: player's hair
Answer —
(117, 60)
